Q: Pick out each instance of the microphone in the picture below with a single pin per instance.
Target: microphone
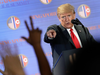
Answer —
(76, 21)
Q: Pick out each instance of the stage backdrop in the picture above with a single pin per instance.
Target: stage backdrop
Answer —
(13, 13)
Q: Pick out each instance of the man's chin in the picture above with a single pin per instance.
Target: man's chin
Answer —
(68, 26)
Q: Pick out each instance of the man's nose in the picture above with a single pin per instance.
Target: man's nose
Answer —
(67, 19)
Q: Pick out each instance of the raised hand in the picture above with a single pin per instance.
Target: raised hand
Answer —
(11, 61)
(34, 39)
(4, 72)
(34, 34)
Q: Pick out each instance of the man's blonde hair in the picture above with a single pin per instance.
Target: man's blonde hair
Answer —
(65, 8)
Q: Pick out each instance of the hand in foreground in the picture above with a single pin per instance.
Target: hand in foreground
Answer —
(34, 34)
(4, 72)
(11, 61)
(34, 39)
(51, 33)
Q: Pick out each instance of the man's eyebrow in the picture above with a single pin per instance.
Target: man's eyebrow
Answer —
(63, 16)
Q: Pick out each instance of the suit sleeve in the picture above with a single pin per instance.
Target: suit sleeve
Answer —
(48, 40)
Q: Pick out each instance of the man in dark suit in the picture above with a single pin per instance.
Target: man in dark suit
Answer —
(60, 36)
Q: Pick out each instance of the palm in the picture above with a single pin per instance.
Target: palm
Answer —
(34, 34)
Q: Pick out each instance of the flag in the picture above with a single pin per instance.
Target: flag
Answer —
(84, 11)
(24, 60)
(13, 22)
(46, 1)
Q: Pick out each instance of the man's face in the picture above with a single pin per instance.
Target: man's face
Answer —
(66, 18)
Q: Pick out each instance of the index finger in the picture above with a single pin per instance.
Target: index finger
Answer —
(27, 26)
(54, 34)
(31, 23)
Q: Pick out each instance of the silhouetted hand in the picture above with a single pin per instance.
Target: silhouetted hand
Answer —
(4, 72)
(11, 61)
(34, 34)
(34, 39)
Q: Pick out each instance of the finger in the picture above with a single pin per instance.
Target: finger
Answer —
(51, 35)
(31, 23)
(4, 62)
(16, 49)
(1, 53)
(70, 58)
(24, 38)
(8, 49)
(48, 34)
(27, 26)
(74, 55)
(1, 71)
(54, 34)
(39, 30)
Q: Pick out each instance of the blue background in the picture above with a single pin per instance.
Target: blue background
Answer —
(25, 8)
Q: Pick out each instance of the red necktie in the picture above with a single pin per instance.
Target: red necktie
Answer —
(75, 40)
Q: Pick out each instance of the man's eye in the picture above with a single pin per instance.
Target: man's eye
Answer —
(69, 15)
(63, 16)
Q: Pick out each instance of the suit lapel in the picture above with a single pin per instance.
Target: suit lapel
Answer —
(81, 34)
(66, 34)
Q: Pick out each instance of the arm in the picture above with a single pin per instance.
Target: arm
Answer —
(3, 72)
(51, 34)
(34, 40)
(42, 61)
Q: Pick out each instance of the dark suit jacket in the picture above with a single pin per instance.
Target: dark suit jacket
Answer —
(63, 41)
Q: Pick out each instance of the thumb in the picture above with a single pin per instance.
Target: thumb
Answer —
(25, 38)
(1, 71)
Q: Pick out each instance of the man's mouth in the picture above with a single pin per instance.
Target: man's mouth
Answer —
(68, 23)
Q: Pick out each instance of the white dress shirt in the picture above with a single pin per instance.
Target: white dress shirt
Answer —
(76, 34)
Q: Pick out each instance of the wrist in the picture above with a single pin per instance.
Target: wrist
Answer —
(20, 73)
(36, 45)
